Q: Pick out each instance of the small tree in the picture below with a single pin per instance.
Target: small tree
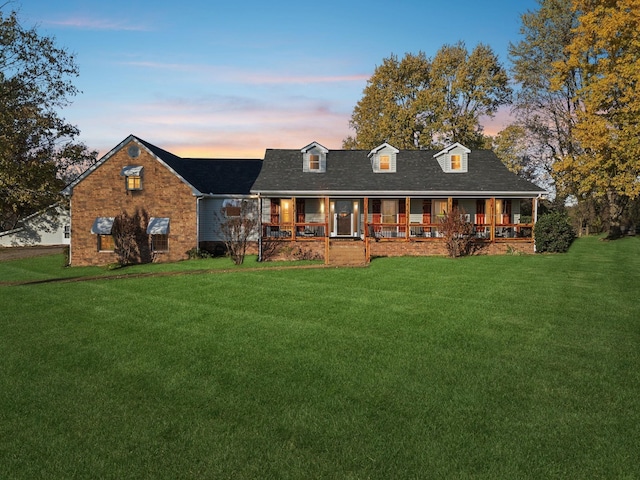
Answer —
(457, 232)
(239, 222)
(131, 239)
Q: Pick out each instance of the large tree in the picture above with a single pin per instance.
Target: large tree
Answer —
(546, 113)
(37, 146)
(606, 50)
(388, 110)
(421, 102)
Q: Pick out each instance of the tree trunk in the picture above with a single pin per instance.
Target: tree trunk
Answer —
(616, 204)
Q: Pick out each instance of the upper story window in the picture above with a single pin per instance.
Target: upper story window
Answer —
(454, 159)
(133, 177)
(456, 162)
(383, 158)
(314, 158)
(314, 161)
(134, 183)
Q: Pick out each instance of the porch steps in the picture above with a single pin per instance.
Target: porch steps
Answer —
(347, 253)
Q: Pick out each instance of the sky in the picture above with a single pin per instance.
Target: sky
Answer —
(229, 79)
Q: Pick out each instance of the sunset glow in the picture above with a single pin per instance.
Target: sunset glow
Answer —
(230, 80)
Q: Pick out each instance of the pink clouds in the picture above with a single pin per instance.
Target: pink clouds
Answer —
(229, 127)
(217, 127)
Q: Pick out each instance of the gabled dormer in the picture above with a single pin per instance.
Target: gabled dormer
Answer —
(454, 158)
(314, 158)
(383, 158)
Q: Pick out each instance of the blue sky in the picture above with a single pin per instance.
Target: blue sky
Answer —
(210, 78)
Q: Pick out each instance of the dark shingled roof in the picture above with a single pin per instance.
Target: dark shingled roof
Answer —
(417, 171)
(211, 176)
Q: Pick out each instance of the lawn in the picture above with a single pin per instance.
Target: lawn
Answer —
(483, 367)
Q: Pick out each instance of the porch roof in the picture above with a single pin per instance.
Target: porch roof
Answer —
(349, 172)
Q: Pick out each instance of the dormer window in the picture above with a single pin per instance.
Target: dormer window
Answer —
(314, 158)
(454, 158)
(133, 177)
(314, 161)
(456, 162)
(383, 158)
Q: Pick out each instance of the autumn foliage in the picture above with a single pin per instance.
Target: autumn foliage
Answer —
(605, 50)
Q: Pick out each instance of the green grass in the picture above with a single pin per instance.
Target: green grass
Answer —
(483, 367)
(52, 267)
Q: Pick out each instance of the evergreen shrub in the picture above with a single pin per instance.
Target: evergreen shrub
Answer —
(554, 233)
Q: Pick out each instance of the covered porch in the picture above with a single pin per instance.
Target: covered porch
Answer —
(413, 219)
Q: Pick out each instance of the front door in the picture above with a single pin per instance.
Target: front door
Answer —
(344, 218)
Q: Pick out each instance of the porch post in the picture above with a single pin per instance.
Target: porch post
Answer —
(294, 210)
(260, 228)
(535, 220)
(326, 233)
(492, 207)
(449, 204)
(367, 253)
(407, 217)
(366, 216)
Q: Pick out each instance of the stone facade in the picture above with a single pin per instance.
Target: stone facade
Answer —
(103, 194)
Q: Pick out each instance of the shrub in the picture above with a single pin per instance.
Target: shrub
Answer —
(271, 248)
(198, 253)
(301, 253)
(457, 233)
(239, 221)
(553, 233)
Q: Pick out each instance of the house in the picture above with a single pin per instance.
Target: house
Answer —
(183, 197)
(350, 205)
(49, 227)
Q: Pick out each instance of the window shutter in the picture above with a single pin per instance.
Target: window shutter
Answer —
(323, 163)
(305, 162)
(300, 210)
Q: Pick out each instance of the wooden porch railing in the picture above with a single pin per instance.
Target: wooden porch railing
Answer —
(289, 231)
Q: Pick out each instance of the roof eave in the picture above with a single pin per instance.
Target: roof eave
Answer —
(387, 193)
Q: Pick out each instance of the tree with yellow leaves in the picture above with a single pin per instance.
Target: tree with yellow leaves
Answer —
(606, 50)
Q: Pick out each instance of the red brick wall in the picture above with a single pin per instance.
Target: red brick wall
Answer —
(292, 250)
(405, 249)
(401, 248)
(102, 194)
